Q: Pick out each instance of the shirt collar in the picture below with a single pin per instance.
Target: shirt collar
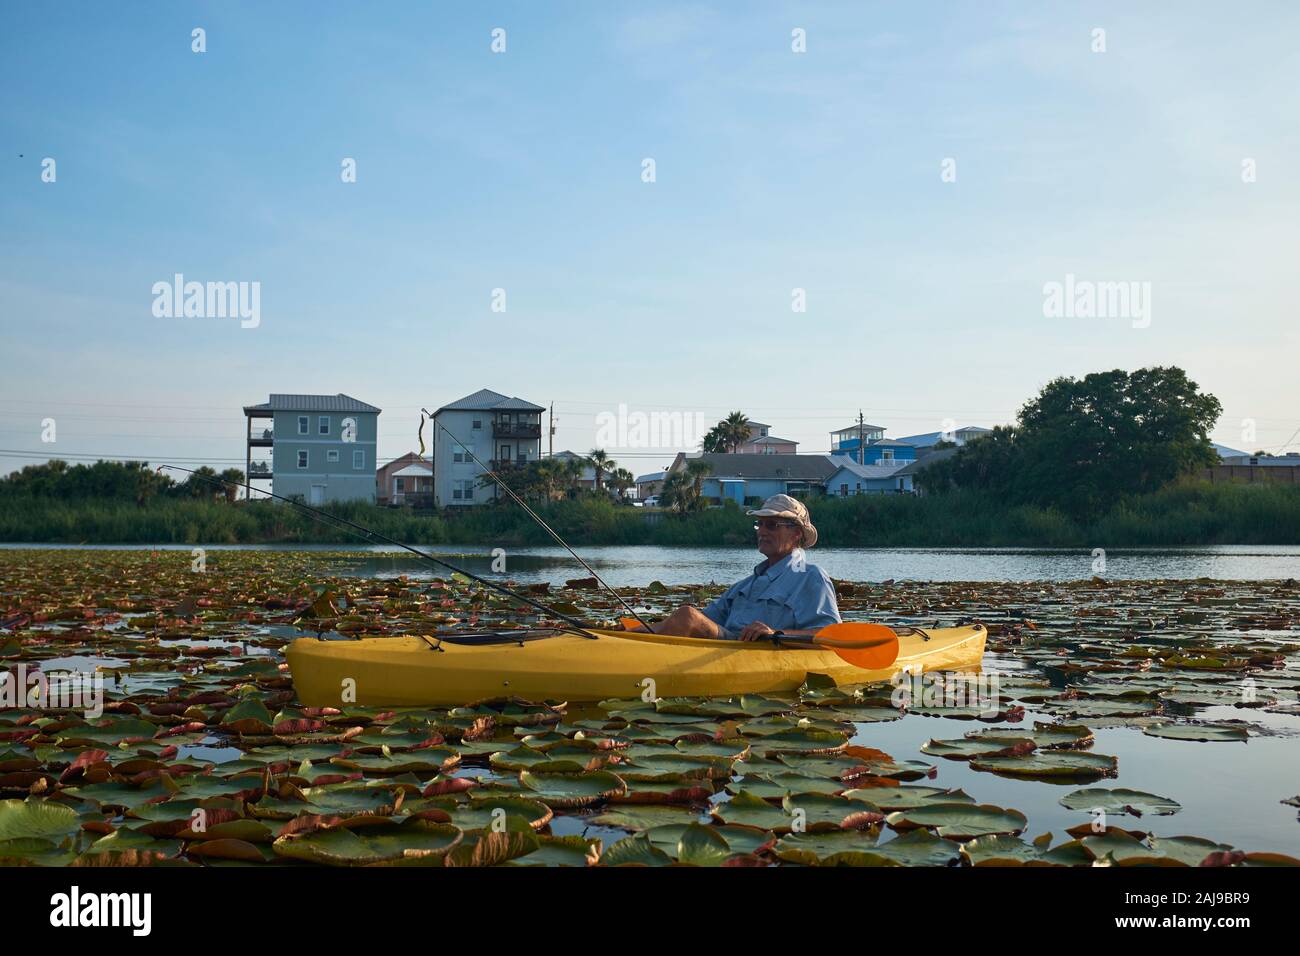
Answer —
(776, 570)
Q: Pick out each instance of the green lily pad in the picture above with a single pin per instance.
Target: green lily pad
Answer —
(572, 789)
(1050, 764)
(645, 817)
(414, 842)
(1202, 732)
(1119, 800)
(561, 851)
(997, 849)
(36, 818)
(960, 821)
(829, 848)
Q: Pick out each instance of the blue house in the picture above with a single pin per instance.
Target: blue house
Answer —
(748, 478)
(854, 479)
(876, 448)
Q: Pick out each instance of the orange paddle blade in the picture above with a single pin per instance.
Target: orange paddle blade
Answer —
(631, 624)
(881, 652)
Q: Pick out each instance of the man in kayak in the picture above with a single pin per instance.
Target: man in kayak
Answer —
(785, 593)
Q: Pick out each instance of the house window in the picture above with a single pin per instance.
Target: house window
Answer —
(332, 456)
(455, 493)
(323, 424)
(302, 457)
(844, 490)
(398, 484)
(302, 424)
(359, 459)
(457, 457)
(468, 494)
(478, 423)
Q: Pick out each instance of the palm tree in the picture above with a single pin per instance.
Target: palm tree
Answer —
(734, 430)
(676, 492)
(550, 472)
(713, 443)
(696, 469)
(601, 462)
(233, 478)
(573, 468)
(620, 479)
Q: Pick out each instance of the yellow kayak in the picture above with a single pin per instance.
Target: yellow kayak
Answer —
(562, 666)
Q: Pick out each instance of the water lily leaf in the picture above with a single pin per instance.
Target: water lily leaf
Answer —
(829, 848)
(811, 811)
(36, 818)
(1202, 732)
(745, 840)
(483, 812)
(488, 848)
(802, 742)
(1050, 764)
(889, 799)
(701, 845)
(33, 851)
(572, 789)
(960, 821)
(645, 817)
(917, 848)
(1119, 800)
(561, 851)
(780, 785)
(1186, 849)
(414, 842)
(1000, 850)
(635, 850)
(672, 791)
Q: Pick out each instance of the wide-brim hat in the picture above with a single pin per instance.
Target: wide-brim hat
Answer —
(792, 509)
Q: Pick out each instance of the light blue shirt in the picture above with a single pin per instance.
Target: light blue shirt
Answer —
(792, 595)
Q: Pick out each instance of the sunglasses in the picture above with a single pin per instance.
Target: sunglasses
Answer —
(771, 524)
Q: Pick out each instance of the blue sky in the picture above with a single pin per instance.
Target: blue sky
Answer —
(522, 171)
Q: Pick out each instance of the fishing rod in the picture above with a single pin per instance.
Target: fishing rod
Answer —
(536, 517)
(578, 625)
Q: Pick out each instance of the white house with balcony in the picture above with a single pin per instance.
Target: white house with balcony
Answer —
(319, 448)
(502, 432)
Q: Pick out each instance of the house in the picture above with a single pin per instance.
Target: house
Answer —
(762, 442)
(318, 448)
(876, 448)
(854, 479)
(407, 480)
(1290, 460)
(908, 474)
(497, 430)
(588, 477)
(1256, 469)
(958, 436)
(751, 478)
(651, 484)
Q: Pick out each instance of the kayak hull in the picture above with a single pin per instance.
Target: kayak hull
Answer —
(409, 672)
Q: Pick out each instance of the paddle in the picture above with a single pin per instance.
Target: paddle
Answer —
(869, 646)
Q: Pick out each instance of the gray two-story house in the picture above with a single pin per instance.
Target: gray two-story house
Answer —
(319, 448)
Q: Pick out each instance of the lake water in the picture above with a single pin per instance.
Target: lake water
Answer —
(638, 565)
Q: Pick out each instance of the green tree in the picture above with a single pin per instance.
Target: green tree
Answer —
(602, 463)
(1083, 444)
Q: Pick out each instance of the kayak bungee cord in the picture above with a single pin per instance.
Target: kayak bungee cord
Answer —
(536, 517)
(578, 626)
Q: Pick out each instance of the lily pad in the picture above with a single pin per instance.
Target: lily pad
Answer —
(1119, 800)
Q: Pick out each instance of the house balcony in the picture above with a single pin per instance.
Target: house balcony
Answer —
(259, 469)
(516, 430)
(507, 464)
(261, 436)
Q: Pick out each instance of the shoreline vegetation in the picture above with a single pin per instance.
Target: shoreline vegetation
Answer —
(1184, 513)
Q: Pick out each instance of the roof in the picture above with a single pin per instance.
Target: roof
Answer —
(1223, 451)
(312, 403)
(771, 440)
(653, 476)
(912, 467)
(413, 471)
(487, 400)
(777, 467)
(868, 472)
(1263, 461)
(933, 438)
(889, 443)
(855, 426)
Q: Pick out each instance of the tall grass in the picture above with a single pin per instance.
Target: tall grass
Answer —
(1186, 513)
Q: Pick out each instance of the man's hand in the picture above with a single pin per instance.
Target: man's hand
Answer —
(755, 631)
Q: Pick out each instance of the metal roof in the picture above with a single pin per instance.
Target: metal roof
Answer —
(854, 427)
(933, 438)
(653, 476)
(487, 400)
(771, 440)
(868, 471)
(313, 403)
(912, 467)
(774, 467)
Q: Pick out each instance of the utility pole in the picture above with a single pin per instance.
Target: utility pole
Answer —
(861, 450)
(550, 442)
